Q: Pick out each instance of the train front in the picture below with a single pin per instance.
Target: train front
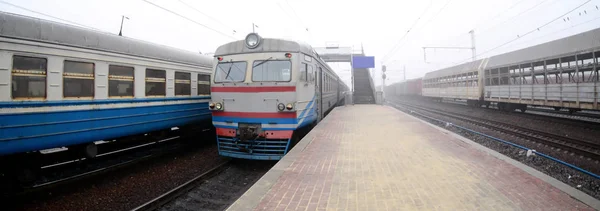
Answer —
(254, 99)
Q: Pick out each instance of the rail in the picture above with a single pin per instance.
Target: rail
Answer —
(165, 198)
(530, 137)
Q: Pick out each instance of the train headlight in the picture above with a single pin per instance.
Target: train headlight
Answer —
(289, 106)
(211, 105)
(252, 40)
(219, 106)
(280, 106)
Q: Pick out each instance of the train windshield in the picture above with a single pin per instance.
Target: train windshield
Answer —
(274, 70)
(230, 72)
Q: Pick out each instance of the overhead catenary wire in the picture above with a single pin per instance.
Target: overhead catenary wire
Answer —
(426, 23)
(512, 18)
(497, 15)
(437, 13)
(295, 18)
(208, 16)
(477, 26)
(564, 29)
(191, 20)
(393, 49)
(296, 15)
(529, 32)
(44, 14)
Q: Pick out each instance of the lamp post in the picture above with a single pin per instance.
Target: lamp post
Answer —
(121, 30)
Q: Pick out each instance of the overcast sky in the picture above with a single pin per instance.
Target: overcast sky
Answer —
(380, 26)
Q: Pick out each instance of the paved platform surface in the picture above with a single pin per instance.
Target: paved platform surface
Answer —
(373, 157)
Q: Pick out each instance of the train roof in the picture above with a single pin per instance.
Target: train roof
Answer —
(569, 45)
(267, 45)
(455, 70)
(40, 30)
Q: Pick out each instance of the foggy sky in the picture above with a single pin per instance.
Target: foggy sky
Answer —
(378, 25)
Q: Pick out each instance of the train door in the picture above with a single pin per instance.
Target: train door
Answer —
(319, 91)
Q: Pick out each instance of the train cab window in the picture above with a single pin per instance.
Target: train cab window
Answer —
(203, 84)
(120, 81)
(156, 82)
(78, 79)
(183, 84)
(28, 77)
(273, 70)
(230, 72)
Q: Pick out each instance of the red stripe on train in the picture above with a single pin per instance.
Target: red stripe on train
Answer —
(254, 89)
(226, 132)
(255, 114)
(269, 134)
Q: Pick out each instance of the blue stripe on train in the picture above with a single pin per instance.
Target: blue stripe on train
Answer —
(36, 131)
(28, 104)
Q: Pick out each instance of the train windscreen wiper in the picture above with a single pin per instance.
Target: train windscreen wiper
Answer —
(228, 71)
(262, 62)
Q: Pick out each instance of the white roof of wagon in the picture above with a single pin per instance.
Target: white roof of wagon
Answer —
(35, 29)
(569, 45)
(455, 70)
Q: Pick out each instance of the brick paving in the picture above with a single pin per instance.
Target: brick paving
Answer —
(371, 157)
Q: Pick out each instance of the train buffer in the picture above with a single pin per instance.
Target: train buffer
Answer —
(373, 157)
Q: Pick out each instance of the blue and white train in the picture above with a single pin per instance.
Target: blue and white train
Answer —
(62, 85)
(267, 91)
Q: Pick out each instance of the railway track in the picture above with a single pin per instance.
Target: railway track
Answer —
(587, 121)
(103, 163)
(62, 173)
(172, 194)
(584, 148)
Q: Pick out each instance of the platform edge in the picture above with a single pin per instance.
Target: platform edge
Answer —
(577, 194)
(253, 196)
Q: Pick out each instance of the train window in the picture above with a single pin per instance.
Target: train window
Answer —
(303, 68)
(326, 83)
(120, 81)
(230, 72)
(78, 79)
(310, 73)
(203, 84)
(156, 82)
(273, 70)
(28, 77)
(183, 83)
(320, 70)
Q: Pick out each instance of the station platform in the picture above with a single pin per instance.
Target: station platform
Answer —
(374, 157)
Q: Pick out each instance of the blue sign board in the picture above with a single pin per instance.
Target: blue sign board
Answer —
(363, 62)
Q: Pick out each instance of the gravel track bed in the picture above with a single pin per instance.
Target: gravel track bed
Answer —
(565, 174)
(542, 123)
(129, 187)
(218, 192)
